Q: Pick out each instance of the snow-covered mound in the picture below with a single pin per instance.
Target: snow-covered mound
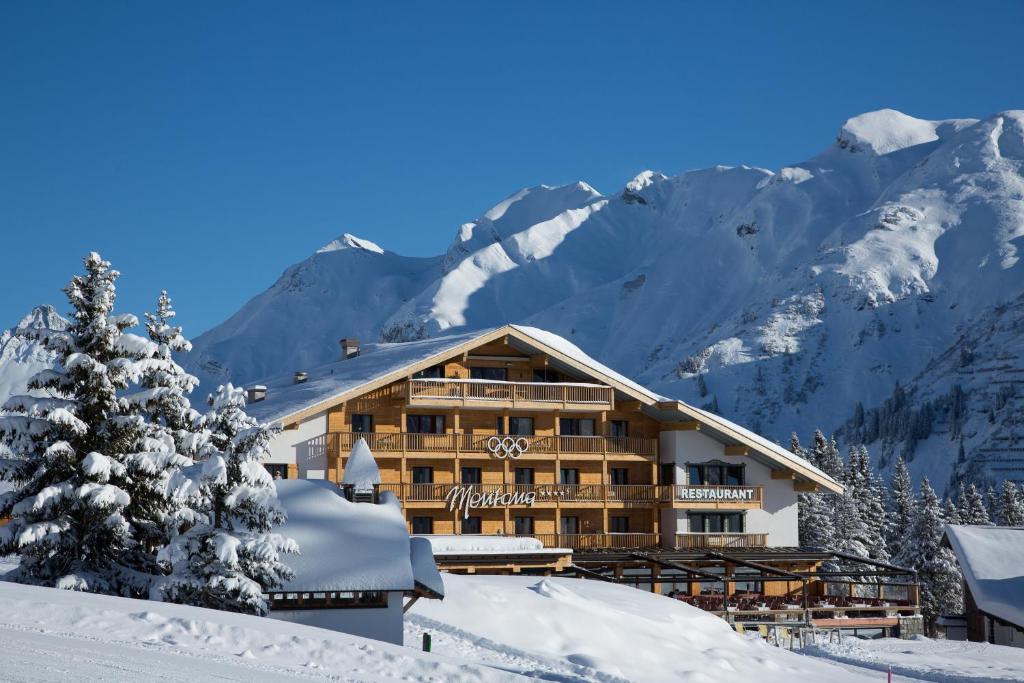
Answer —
(924, 659)
(794, 294)
(20, 358)
(579, 630)
(53, 635)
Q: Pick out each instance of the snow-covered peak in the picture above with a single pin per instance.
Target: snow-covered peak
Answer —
(349, 241)
(887, 130)
(643, 180)
(541, 200)
(43, 318)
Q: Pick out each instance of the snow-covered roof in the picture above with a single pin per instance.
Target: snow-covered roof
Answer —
(424, 568)
(361, 469)
(285, 397)
(343, 546)
(475, 544)
(992, 561)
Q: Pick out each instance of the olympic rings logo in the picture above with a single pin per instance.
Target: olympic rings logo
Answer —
(507, 446)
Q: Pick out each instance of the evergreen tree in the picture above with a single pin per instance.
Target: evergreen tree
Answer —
(1010, 505)
(869, 497)
(901, 506)
(814, 510)
(972, 508)
(937, 569)
(230, 556)
(951, 515)
(992, 504)
(76, 450)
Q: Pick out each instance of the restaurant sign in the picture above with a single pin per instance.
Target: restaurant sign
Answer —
(468, 497)
(715, 493)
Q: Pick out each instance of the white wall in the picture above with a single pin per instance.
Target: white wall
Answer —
(778, 518)
(305, 446)
(381, 623)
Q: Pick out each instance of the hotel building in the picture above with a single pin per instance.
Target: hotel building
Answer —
(516, 432)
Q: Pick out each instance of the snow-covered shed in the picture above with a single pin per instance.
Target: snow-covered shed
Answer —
(355, 563)
(992, 561)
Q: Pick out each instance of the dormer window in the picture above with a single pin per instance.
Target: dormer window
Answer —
(715, 473)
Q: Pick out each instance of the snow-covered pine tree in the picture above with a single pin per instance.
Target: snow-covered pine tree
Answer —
(992, 504)
(814, 518)
(75, 448)
(869, 498)
(972, 508)
(937, 569)
(173, 435)
(168, 385)
(1010, 505)
(231, 555)
(950, 514)
(828, 460)
(901, 506)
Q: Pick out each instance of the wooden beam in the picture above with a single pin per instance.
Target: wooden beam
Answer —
(805, 486)
(783, 474)
(688, 426)
(629, 406)
(291, 425)
(737, 450)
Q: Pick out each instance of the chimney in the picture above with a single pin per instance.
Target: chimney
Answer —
(301, 376)
(349, 348)
(256, 393)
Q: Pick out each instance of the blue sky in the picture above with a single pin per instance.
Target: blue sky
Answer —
(205, 146)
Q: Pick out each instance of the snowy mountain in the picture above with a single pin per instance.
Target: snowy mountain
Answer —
(780, 298)
(20, 357)
(962, 416)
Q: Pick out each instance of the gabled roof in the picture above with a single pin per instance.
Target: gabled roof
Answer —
(380, 364)
(992, 561)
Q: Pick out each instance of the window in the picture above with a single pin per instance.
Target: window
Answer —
(716, 522)
(423, 475)
(668, 474)
(362, 424)
(547, 375)
(471, 475)
(499, 425)
(576, 426)
(570, 525)
(471, 525)
(436, 372)
(715, 474)
(524, 476)
(524, 526)
(424, 424)
(423, 525)
(277, 471)
(619, 525)
(619, 475)
(489, 374)
(520, 426)
(618, 428)
(569, 476)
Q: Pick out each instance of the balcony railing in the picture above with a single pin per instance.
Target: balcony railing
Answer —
(465, 392)
(597, 541)
(545, 493)
(405, 442)
(703, 541)
(710, 495)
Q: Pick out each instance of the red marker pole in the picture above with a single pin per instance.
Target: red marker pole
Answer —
(890, 673)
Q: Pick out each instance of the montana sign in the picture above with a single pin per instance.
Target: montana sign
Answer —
(467, 498)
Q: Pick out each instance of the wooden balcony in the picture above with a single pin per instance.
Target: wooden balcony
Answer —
(704, 541)
(713, 497)
(483, 394)
(457, 444)
(545, 493)
(629, 541)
